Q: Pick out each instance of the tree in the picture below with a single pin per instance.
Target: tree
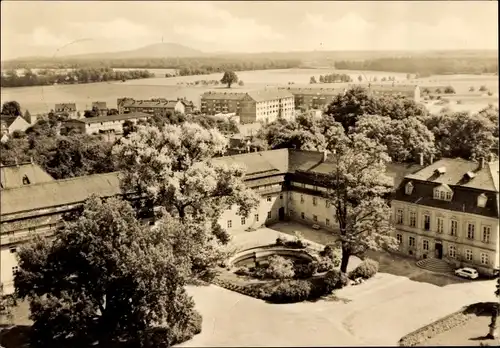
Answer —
(90, 113)
(359, 186)
(321, 79)
(7, 302)
(449, 90)
(172, 167)
(471, 89)
(11, 108)
(241, 83)
(360, 78)
(112, 112)
(312, 80)
(404, 139)
(229, 78)
(128, 127)
(483, 88)
(104, 279)
(465, 135)
(27, 116)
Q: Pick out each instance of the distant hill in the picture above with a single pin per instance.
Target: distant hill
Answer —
(154, 51)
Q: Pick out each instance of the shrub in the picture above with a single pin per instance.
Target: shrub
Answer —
(305, 270)
(366, 269)
(332, 254)
(243, 271)
(335, 280)
(279, 268)
(325, 265)
(280, 241)
(289, 291)
(318, 288)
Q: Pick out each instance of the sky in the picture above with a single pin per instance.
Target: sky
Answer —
(52, 28)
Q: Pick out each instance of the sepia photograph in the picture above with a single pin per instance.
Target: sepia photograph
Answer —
(249, 174)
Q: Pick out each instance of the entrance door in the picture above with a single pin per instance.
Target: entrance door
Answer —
(439, 250)
(281, 214)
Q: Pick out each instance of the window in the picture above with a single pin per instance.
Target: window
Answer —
(327, 204)
(15, 269)
(427, 222)
(486, 234)
(484, 258)
(481, 200)
(269, 198)
(26, 181)
(409, 188)
(31, 229)
(328, 222)
(452, 251)
(229, 224)
(399, 238)
(315, 218)
(256, 216)
(425, 245)
(269, 215)
(302, 215)
(301, 198)
(468, 254)
(448, 196)
(470, 230)
(399, 216)
(12, 250)
(436, 194)
(291, 212)
(243, 221)
(440, 225)
(411, 241)
(281, 196)
(413, 219)
(315, 201)
(454, 227)
(442, 195)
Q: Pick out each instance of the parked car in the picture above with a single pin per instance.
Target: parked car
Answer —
(467, 272)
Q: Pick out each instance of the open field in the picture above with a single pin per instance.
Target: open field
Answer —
(39, 99)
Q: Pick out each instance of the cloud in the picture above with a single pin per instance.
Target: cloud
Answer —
(41, 36)
(118, 29)
(353, 32)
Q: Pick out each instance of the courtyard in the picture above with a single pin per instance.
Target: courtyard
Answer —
(378, 312)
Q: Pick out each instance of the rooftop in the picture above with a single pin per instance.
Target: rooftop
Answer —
(223, 95)
(8, 119)
(71, 106)
(269, 94)
(314, 90)
(13, 175)
(153, 103)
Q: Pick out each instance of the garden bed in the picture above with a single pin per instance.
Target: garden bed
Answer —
(453, 321)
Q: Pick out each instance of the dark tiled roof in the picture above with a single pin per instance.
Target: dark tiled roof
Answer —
(259, 164)
(12, 175)
(58, 193)
(223, 95)
(8, 120)
(456, 168)
(99, 105)
(314, 90)
(464, 199)
(71, 106)
(154, 103)
(120, 117)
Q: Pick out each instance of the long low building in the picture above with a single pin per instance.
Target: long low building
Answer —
(288, 181)
(104, 124)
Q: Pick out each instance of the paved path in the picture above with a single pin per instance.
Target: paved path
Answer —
(380, 311)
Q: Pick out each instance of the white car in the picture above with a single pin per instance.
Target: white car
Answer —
(467, 272)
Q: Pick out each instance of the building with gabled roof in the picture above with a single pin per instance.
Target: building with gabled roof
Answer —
(10, 124)
(69, 108)
(449, 211)
(18, 175)
(104, 124)
(265, 105)
(155, 106)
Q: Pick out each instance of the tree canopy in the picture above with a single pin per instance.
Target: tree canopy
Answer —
(229, 78)
(11, 108)
(104, 279)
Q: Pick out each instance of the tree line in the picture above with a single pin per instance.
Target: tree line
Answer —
(424, 66)
(82, 75)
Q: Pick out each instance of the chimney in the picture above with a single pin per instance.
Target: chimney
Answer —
(481, 163)
(421, 159)
(31, 160)
(325, 155)
(432, 159)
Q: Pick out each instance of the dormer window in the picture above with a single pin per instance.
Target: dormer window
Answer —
(26, 181)
(441, 170)
(409, 188)
(443, 193)
(481, 200)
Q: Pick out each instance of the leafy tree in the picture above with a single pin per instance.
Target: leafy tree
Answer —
(172, 166)
(360, 78)
(471, 89)
(449, 90)
(112, 112)
(321, 79)
(128, 127)
(7, 302)
(360, 185)
(483, 88)
(240, 83)
(11, 108)
(384, 79)
(465, 135)
(312, 80)
(404, 139)
(103, 279)
(229, 78)
(90, 113)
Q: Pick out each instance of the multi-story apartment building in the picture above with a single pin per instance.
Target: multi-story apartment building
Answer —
(265, 105)
(69, 108)
(288, 182)
(449, 210)
(103, 124)
(159, 106)
(407, 91)
(313, 98)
